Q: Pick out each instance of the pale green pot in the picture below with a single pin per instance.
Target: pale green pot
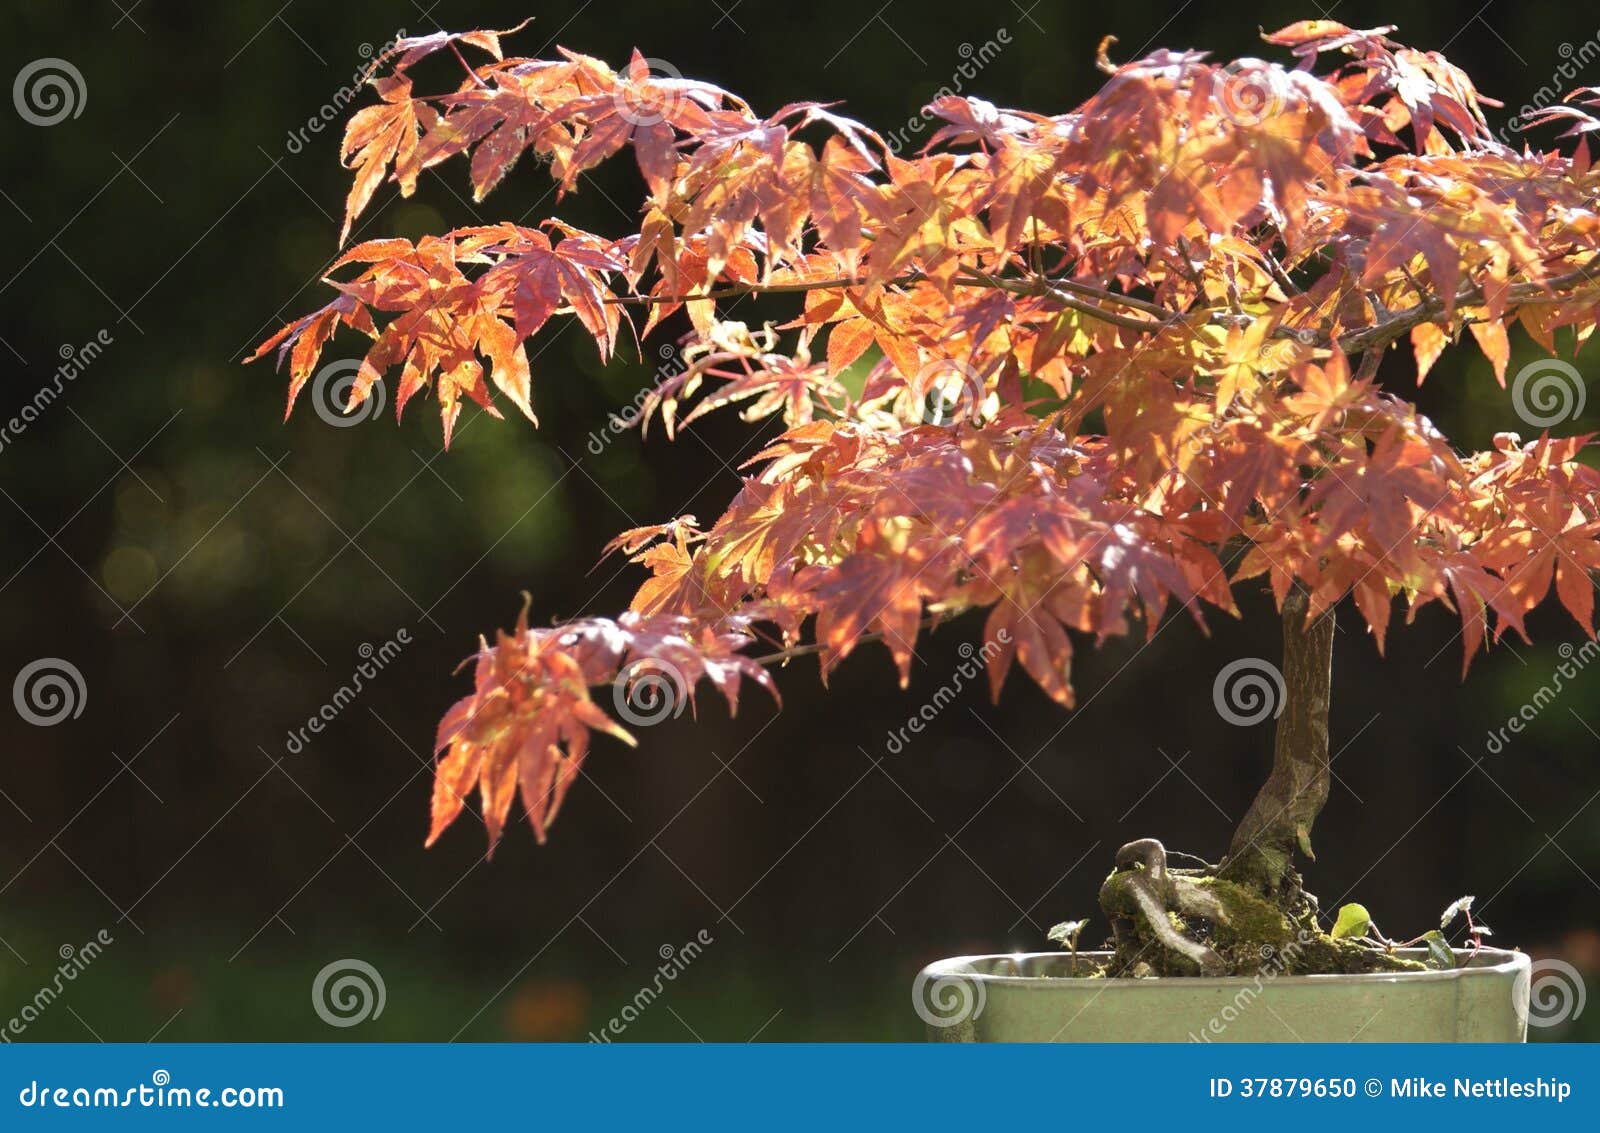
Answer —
(1031, 997)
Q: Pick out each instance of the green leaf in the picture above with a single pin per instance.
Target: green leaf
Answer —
(1066, 933)
(1353, 921)
(1457, 907)
(1440, 954)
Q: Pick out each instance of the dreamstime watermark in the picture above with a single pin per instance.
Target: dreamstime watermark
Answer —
(653, 97)
(74, 361)
(975, 60)
(1549, 993)
(1247, 691)
(674, 961)
(48, 691)
(1574, 661)
(949, 391)
(947, 1000)
(332, 110)
(49, 91)
(330, 395)
(976, 661)
(648, 691)
(74, 962)
(1547, 392)
(1275, 961)
(1248, 92)
(373, 661)
(1215, 428)
(672, 364)
(158, 1093)
(347, 992)
(1562, 80)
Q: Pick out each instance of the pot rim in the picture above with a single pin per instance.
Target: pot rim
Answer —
(1499, 962)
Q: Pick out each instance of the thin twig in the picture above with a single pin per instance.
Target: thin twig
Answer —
(1073, 294)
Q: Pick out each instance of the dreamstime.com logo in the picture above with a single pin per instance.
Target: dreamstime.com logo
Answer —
(158, 1093)
(1566, 75)
(652, 99)
(74, 962)
(1247, 691)
(347, 992)
(332, 110)
(330, 395)
(1548, 392)
(373, 661)
(974, 660)
(1274, 962)
(648, 691)
(1573, 662)
(1551, 993)
(48, 691)
(672, 364)
(949, 391)
(974, 61)
(48, 91)
(674, 962)
(74, 361)
(947, 1001)
(1247, 94)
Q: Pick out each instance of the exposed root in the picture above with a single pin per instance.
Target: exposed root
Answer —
(1146, 895)
(1171, 922)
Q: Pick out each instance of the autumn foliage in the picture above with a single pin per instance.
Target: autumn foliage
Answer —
(1072, 369)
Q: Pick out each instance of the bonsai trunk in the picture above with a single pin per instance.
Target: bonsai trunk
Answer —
(1279, 821)
(1250, 910)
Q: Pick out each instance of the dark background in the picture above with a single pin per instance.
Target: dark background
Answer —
(213, 574)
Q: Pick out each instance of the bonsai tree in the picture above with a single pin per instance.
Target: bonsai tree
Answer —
(1077, 371)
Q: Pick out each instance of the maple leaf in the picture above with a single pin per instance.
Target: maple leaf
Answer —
(526, 727)
(1056, 368)
(380, 136)
(870, 591)
(1550, 540)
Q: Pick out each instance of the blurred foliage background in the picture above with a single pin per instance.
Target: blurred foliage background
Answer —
(215, 574)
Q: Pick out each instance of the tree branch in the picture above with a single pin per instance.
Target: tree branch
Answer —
(1074, 295)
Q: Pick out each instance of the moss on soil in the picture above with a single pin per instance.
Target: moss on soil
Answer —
(1254, 935)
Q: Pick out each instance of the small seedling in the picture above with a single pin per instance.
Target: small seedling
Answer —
(1066, 934)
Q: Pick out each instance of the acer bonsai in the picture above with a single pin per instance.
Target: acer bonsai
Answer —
(1079, 371)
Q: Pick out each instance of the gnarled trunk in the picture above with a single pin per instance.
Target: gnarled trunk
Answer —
(1250, 911)
(1279, 821)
